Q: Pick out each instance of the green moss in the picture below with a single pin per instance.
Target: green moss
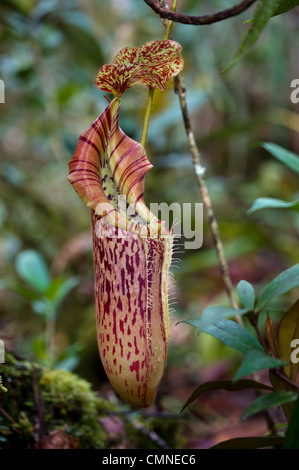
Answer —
(69, 400)
(61, 400)
(65, 399)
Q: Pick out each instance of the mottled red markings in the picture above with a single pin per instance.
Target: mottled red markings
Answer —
(122, 362)
(123, 278)
(152, 64)
(121, 348)
(114, 326)
(135, 367)
(130, 267)
(136, 348)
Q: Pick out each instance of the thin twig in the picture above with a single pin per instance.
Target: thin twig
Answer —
(150, 434)
(13, 422)
(279, 373)
(199, 171)
(163, 12)
(38, 400)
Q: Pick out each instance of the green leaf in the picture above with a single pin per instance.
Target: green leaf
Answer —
(272, 203)
(230, 333)
(250, 443)
(292, 434)
(281, 284)
(214, 313)
(69, 363)
(59, 289)
(32, 268)
(28, 294)
(257, 360)
(279, 384)
(289, 330)
(263, 12)
(43, 307)
(267, 401)
(246, 294)
(225, 385)
(285, 5)
(290, 159)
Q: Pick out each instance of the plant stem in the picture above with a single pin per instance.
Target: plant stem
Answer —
(283, 377)
(170, 23)
(151, 91)
(147, 115)
(199, 171)
(50, 338)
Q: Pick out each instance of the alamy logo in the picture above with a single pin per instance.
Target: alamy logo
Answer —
(295, 353)
(295, 93)
(2, 92)
(187, 221)
(2, 352)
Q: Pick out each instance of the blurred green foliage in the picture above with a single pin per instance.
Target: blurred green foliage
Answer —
(50, 53)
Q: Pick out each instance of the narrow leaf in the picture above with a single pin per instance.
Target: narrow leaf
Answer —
(281, 284)
(230, 333)
(19, 289)
(32, 268)
(292, 434)
(288, 331)
(272, 203)
(290, 159)
(257, 360)
(279, 384)
(214, 313)
(285, 5)
(250, 443)
(263, 12)
(225, 385)
(246, 294)
(267, 401)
